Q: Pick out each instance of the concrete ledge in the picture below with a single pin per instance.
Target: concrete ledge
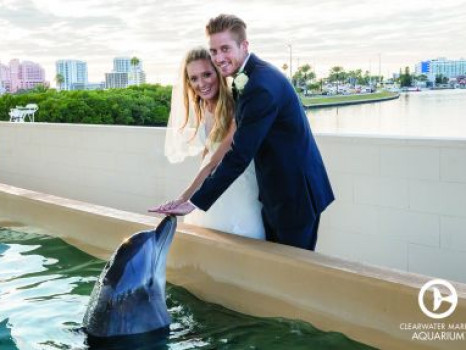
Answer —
(366, 303)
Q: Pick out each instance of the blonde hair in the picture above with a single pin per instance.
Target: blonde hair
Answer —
(231, 23)
(223, 114)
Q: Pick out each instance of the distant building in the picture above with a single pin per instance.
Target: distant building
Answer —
(116, 80)
(123, 65)
(14, 75)
(135, 75)
(4, 78)
(18, 75)
(441, 66)
(74, 74)
(95, 86)
(30, 75)
(77, 86)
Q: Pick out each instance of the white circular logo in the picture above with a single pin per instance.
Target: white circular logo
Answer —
(451, 298)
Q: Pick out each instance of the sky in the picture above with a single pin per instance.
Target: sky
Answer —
(376, 35)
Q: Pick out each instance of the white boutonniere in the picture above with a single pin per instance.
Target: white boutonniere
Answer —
(240, 81)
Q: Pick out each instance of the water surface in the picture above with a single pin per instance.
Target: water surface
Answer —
(45, 286)
(430, 113)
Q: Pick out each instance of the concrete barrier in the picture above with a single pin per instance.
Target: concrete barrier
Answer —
(368, 304)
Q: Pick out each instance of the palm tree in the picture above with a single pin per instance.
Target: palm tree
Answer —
(134, 63)
(305, 69)
(336, 73)
(304, 77)
(285, 67)
(59, 80)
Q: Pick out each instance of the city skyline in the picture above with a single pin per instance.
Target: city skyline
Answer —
(371, 35)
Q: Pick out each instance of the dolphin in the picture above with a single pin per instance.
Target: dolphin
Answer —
(129, 296)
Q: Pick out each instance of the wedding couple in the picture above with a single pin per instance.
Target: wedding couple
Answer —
(262, 175)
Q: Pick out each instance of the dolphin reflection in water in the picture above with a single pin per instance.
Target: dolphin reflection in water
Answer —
(129, 297)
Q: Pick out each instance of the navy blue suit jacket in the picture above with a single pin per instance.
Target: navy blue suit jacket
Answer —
(272, 129)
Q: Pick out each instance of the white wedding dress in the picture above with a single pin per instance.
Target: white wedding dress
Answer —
(238, 209)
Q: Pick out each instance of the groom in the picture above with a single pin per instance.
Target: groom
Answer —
(272, 129)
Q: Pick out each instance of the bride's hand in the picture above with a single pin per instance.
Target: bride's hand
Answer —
(180, 209)
(166, 206)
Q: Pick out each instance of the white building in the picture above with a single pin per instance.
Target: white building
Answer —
(74, 74)
(136, 77)
(116, 80)
(135, 74)
(95, 86)
(443, 67)
(123, 65)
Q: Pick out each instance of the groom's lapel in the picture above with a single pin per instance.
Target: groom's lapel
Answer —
(250, 64)
(248, 68)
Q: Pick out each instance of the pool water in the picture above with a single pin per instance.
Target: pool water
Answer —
(45, 286)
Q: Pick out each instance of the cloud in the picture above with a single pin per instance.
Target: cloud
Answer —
(351, 33)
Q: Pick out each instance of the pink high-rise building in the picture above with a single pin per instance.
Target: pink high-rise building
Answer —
(4, 78)
(14, 75)
(25, 75)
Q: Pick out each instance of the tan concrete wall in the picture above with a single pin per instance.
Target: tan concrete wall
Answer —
(401, 202)
(255, 277)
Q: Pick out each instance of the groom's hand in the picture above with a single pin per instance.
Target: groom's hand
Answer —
(178, 209)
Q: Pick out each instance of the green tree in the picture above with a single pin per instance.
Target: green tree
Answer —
(337, 75)
(421, 78)
(441, 79)
(406, 79)
(135, 62)
(354, 77)
(59, 80)
(39, 88)
(303, 77)
(139, 105)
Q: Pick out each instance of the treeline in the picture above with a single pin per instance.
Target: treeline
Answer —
(304, 79)
(407, 79)
(136, 105)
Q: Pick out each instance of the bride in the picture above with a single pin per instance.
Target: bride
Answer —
(201, 121)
